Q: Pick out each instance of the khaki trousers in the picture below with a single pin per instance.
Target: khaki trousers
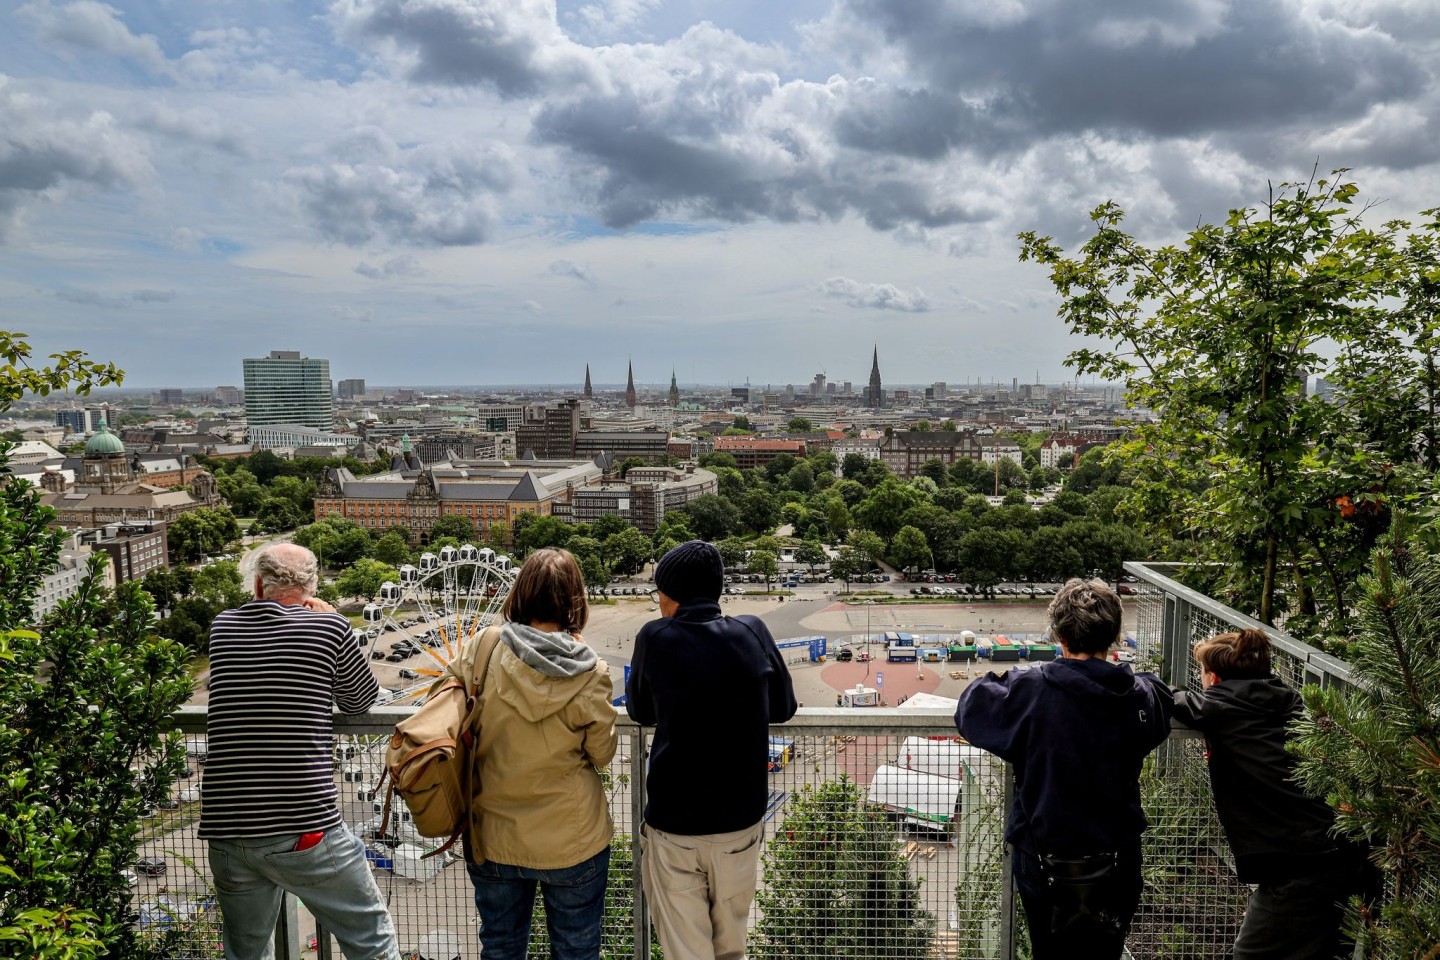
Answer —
(700, 890)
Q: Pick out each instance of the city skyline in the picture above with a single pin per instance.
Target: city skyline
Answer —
(489, 191)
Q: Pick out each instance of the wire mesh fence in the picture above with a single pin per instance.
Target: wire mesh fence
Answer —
(883, 838)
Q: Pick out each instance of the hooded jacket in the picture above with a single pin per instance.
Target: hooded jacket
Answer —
(1275, 830)
(546, 724)
(1076, 732)
(711, 685)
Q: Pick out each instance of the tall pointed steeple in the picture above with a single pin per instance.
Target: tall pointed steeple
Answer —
(877, 394)
(630, 399)
(588, 392)
(674, 390)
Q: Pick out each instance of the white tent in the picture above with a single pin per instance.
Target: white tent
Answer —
(410, 863)
(921, 799)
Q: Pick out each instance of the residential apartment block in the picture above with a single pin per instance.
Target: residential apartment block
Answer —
(906, 451)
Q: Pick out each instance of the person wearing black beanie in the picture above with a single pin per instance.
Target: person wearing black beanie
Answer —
(707, 782)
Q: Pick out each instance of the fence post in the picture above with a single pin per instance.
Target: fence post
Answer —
(641, 912)
(1007, 875)
(322, 942)
(287, 930)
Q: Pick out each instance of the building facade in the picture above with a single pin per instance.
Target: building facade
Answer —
(751, 452)
(286, 388)
(906, 451)
(135, 547)
(643, 497)
(271, 435)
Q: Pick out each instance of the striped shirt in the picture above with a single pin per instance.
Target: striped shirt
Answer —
(274, 672)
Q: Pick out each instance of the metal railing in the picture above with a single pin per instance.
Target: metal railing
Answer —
(884, 836)
(868, 853)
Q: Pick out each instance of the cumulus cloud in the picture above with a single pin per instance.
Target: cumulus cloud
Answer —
(46, 154)
(576, 271)
(373, 189)
(880, 296)
(401, 266)
(94, 26)
(513, 46)
(532, 307)
(1168, 68)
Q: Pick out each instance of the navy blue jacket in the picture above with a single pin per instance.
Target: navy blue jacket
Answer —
(1077, 732)
(1275, 830)
(711, 685)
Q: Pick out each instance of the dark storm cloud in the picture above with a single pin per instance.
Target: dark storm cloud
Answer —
(755, 160)
(514, 46)
(374, 190)
(1159, 67)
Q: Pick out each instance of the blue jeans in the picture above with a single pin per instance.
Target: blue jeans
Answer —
(331, 878)
(574, 907)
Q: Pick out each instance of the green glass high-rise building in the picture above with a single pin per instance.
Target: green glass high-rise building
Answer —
(288, 388)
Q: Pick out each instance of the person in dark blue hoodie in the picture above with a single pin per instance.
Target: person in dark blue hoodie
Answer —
(711, 685)
(1076, 731)
(1282, 839)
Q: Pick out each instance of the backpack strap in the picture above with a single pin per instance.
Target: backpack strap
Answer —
(474, 686)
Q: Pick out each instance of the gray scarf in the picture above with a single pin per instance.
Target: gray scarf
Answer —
(552, 654)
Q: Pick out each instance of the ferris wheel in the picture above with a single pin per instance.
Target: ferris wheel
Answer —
(419, 625)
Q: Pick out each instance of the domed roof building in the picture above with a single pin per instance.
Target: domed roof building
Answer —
(105, 489)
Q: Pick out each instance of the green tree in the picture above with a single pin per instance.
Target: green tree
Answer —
(392, 549)
(277, 513)
(733, 551)
(716, 459)
(497, 537)
(799, 425)
(848, 564)
(534, 530)
(837, 519)
(854, 465)
(1242, 469)
(836, 885)
(712, 516)
(454, 525)
(935, 469)
(630, 463)
(764, 563)
(868, 545)
(83, 699)
(811, 553)
(627, 550)
(887, 503)
(201, 532)
(910, 549)
(1373, 748)
(364, 578)
(759, 511)
(987, 556)
(742, 423)
(588, 554)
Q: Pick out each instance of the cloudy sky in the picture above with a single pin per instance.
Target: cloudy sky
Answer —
(500, 191)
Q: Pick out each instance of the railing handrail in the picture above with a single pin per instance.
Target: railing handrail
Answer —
(1319, 665)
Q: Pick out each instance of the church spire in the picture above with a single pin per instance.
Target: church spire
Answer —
(674, 390)
(630, 399)
(588, 392)
(876, 396)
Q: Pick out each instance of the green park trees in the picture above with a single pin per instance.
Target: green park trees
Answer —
(1280, 491)
(83, 698)
(202, 532)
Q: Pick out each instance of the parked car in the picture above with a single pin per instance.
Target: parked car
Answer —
(151, 866)
(396, 657)
(377, 654)
(407, 674)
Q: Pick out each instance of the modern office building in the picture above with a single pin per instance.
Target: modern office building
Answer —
(286, 388)
(350, 389)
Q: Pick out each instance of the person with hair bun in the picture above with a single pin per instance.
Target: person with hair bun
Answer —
(1283, 840)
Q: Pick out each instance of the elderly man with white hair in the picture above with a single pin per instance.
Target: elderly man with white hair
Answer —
(269, 807)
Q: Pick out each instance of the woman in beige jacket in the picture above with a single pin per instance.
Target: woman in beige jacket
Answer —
(540, 816)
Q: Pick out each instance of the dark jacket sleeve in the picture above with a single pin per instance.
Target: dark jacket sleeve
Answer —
(990, 717)
(781, 692)
(1161, 704)
(1189, 708)
(782, 688)
(639, 702)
